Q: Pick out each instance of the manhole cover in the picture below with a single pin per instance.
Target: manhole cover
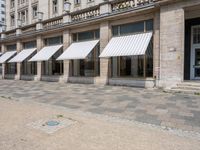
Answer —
(52, 123)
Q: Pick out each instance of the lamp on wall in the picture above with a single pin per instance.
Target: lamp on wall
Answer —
(40, 16)
(19, 23)
(67, 6)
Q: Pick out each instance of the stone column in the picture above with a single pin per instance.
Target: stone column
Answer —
(19, 48)
(156, 47)
(66, 63)
(105, 34)
(3, 49)
(171, 45)
(40, 45)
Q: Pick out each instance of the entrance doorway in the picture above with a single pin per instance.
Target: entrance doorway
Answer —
(195, 53)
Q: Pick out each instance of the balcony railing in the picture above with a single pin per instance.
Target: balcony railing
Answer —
(81, 15)
(87, 14)
(53, 23)
(128, 4)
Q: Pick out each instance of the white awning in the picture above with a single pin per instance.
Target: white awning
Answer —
(46, 53)
(24, 54)
(6, 56)
(129, 45)
(78, 50)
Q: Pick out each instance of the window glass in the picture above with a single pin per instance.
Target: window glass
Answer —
(31, 44)
(11, 47)
(54, 41)
(132, 28)
(85, 35)
(133, 66)
(149, 25)
(115, 31)
(89, 67)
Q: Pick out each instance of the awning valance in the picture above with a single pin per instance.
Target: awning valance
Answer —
(129, 45)
(6, 56)
(46, 53)
(78, 50)
(24, 54)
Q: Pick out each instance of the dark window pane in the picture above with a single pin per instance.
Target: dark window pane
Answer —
(74, 37)
(31, 44)
(54, 40)
(149, 25)
(11, 47)
(115, 31)
(132, 28)
(85, 36)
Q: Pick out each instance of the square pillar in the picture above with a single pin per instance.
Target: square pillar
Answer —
(66, 63)
(172, 24)
(3, 49)
(19, 48)
(40, 45)
(156, 47)
(105, 34)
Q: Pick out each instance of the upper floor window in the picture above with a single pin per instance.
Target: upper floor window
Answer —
(55, 6)
(12, 3)
(2, 5)
(12, 20)
(77, 2)
(90, 1)
(35, 9)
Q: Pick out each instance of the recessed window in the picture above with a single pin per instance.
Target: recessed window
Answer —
(12, 3)
(90, 1)
(55, 6)
(12, 20)
(34, 9)
(76, 2)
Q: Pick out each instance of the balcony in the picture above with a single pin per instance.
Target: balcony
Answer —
(130, 4)
(89, 14)
(85, 14)
(52, 23)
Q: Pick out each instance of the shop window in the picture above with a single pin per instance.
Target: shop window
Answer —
(52, 66)
(29, 68)
(31, 44)
(84, 36)
(88, 67)
(133, 66)
(54, 41)
(132, 28)
(10, 68)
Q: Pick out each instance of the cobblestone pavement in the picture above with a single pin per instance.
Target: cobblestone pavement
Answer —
(177, 111)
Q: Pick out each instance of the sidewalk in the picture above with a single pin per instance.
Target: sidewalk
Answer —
(87, 133)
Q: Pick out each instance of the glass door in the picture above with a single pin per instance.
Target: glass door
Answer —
(197, 64)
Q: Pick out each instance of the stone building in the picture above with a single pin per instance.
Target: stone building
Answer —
(144, 43)
(2, 14)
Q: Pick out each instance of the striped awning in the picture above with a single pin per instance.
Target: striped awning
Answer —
(78, 50)
(46, 53)
(6, 56)
(24, 54)
(130, 45)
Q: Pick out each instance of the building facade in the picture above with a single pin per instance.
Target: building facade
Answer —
(144, 43)
(2, 14)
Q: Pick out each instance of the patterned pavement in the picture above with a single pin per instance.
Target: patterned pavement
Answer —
(154, 107)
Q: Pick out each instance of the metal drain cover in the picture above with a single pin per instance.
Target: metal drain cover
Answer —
(52, 123)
